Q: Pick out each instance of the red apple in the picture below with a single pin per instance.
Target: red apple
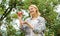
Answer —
(19, 13)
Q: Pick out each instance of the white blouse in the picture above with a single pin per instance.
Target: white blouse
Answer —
(38, 24)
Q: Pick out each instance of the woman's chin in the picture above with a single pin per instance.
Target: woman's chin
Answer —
(32, 14)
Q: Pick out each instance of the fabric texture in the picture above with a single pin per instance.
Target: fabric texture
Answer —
(38, 24)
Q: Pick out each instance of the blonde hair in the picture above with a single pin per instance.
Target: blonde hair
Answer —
(36, 9)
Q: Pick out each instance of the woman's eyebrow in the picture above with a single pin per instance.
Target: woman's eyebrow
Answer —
(30, 8)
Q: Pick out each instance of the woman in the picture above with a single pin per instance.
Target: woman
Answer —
(35, 24)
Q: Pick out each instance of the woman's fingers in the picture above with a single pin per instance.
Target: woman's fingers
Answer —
(22, 22)
(25, 22)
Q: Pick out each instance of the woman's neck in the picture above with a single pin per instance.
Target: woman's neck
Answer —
(34, 16)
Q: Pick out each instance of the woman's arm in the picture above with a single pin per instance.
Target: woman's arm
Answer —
(29, 25)
(27, 22)
(20, 21)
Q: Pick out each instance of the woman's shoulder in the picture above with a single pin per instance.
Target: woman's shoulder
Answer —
(42, 18)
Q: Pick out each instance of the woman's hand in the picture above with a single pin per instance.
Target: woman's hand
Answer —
(29, 25)
(20, 15)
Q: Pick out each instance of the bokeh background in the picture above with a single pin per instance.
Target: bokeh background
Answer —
(9, 23)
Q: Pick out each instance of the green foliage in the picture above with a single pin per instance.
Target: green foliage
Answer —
(1, 11)
(46, 8)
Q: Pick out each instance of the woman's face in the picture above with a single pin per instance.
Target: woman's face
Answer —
(32, 10)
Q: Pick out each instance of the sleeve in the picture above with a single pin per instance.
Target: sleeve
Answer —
(40, 26)
(25, 27)
(28, 20)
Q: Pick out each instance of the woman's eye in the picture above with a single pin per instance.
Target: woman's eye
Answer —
(31, 8)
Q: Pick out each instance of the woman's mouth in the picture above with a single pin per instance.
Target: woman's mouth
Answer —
(31, 12)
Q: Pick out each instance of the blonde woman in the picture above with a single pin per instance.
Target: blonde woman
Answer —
(35, 24)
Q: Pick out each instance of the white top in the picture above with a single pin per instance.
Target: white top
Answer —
(38, 24)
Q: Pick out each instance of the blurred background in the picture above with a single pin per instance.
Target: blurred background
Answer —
(9, 23)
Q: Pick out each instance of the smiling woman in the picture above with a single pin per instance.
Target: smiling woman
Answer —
(35, 24)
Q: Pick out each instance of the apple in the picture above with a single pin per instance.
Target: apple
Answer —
(19, 13)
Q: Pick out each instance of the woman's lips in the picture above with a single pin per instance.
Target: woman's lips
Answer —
(31, 11)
